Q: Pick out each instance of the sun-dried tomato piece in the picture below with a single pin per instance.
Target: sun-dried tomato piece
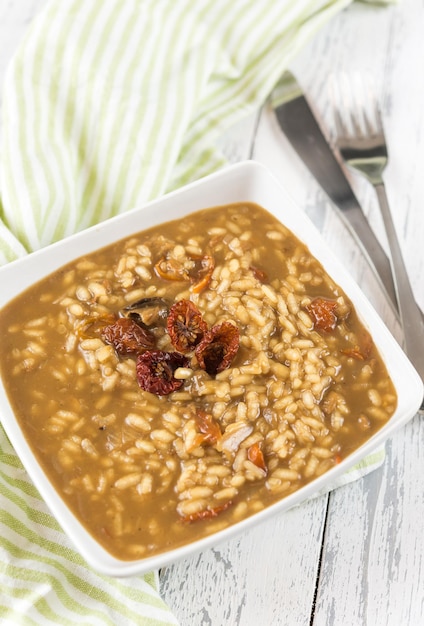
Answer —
(360, 352)
(259, 274)
(207, 513)
(204, 273)
(354, 353)
(218, 348)
(323, 314)
(208, 431)
(208, 427)
(186, 326)
(193, 267)
(171, 269)
(155, 371)
(256, 456)
(127, 337)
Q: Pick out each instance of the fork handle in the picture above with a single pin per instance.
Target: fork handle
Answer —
(410, 314)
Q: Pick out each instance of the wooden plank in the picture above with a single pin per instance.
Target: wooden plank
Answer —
(266, 576)
(372, 569)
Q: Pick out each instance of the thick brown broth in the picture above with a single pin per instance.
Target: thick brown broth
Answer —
(146, 472)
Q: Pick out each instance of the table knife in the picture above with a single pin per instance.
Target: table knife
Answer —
(299, 124)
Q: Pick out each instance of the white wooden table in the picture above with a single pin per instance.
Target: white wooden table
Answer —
(355, 556)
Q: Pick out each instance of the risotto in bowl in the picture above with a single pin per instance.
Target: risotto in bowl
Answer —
(182, 371)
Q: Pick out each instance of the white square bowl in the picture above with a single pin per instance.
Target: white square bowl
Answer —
(250, 182)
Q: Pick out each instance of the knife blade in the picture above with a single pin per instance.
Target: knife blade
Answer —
(299, 124)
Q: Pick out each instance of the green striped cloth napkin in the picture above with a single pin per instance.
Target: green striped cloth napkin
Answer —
(108, 104)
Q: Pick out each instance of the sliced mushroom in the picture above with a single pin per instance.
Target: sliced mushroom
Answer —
(147, 311)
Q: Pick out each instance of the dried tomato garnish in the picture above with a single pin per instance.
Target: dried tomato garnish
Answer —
(207, 513)
(194, 268)
(354, 353)
(256, 456)
(155, 371)
(186, 326)
(127, 337)
(363, 351)
(218, 348)
(259, 274)
(208, 427)
(171, 269)
(323, 314)
(204, 273)
(208, 433)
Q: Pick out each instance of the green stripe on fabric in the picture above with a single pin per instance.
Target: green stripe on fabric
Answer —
(19, 528)
(92, 95)
(78, 583)
(205, 163)
(201, 70)
(19, 501)
(133, 593)
(66, 553)
(10, 248)
(123, 173)
(370, 460)
(163, 109)
(12, 614)
(99, 203)
(28, 576)
(18, 224)
(24, 106)
(22, 484)
(97, 197)
(40, 604)
(33, 74)
(8, 458)
(72, 109)
(225, 98)
(57, 161)
(66, 600)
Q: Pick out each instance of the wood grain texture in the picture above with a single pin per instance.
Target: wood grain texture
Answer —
(369, 534)
(372, 569)
(266, 576)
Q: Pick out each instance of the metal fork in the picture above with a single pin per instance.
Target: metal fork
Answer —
(362, 145)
